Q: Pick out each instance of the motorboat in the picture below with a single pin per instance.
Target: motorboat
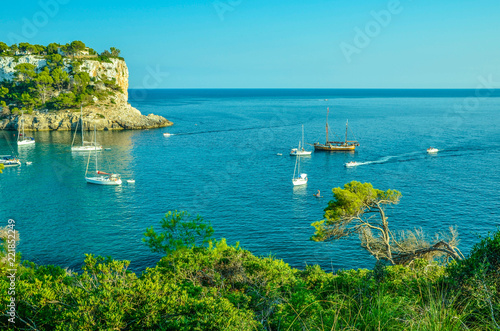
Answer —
(131, 181)
(351, 164)
(9, 161)
(432, 150)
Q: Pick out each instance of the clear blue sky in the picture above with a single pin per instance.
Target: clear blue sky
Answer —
(275, 43)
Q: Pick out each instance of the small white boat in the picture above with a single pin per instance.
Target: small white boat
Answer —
(279, 154)
(351, 164)
(109, 179)
(302, 178)
(431, 150)
(21, 136)
(28, 162)
(167, 134)
(86, 146)
(131, 181)
(104, 178)
(300, 151)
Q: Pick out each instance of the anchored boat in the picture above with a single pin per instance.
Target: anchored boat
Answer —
(105, 178)
(9, 161)
(336, 146)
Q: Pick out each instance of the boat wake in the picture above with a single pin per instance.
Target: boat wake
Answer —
(390, 159)
(235, 129)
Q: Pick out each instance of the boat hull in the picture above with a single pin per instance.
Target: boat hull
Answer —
(102, 180)
(11, 164)
(85, 148)
(299, 181)
(25, 142)
(299, 153)
(334, 148)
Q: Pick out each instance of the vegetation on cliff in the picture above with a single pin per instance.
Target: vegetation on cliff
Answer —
(203, 284)
(59, 83)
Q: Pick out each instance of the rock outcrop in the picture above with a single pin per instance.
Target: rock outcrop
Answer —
(114, 117)
(112, 113)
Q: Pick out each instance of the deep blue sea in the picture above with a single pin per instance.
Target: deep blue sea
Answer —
(223, 164)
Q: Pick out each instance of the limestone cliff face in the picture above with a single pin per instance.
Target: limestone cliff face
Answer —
(113, 113)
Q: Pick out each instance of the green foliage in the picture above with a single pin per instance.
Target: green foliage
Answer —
(223, 287)
(3, 91)
(77, 46)
(65, 100)
(49, 86)
(477, 278)
(180, 231)
(3, 47)
(348, 206)
(25, 72)
(54, 61)
(52, 48)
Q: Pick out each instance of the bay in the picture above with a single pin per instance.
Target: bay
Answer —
(222, 163)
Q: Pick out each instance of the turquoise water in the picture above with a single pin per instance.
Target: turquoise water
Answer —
(222, 163)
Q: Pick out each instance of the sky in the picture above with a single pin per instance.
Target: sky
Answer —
(277, 43)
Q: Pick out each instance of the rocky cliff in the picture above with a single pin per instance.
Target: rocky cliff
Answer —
(112, 112)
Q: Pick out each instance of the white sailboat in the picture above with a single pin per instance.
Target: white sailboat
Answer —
(301, 179)
(86, 146)
(105, 178)
(21, 137)
(300, 151)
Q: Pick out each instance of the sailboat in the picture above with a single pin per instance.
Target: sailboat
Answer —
(105, 178)
(86, 146)
(24, 140)
(340, 146)
(301, 179)
(300, 151)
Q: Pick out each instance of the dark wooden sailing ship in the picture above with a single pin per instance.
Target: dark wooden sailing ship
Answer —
(336, 146)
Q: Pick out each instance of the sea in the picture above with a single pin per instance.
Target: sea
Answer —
(227, 159)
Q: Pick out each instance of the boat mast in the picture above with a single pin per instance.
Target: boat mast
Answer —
(95, 147)
(303, 136)
(81, 121)
(19, 127)
(346, 130)
(22, 122)
(327, 111)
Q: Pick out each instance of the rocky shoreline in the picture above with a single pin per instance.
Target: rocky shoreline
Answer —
(115, 117)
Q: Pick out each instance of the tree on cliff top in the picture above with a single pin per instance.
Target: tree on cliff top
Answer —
(3, 47)
(360, 209)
